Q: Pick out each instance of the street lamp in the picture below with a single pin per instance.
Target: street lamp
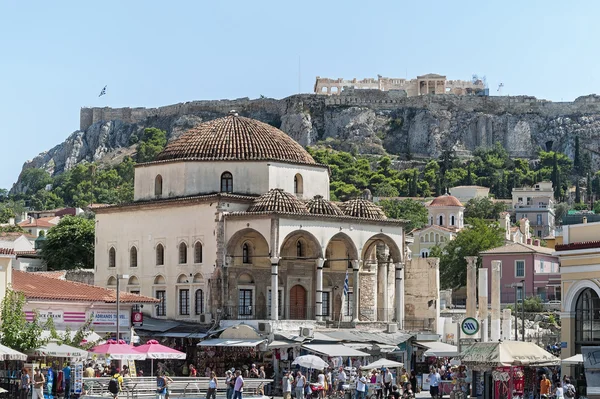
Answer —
(119, 277)
(523, 311)
(517, 286)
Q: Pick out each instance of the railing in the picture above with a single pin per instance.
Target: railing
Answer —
(181, 387)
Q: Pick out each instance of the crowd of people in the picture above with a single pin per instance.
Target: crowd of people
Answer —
(556, 388)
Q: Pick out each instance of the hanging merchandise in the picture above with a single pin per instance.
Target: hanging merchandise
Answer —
(77, 377)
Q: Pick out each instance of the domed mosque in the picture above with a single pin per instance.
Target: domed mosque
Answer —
(234, 210)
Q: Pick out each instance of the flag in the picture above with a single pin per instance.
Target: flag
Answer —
(346, 284)
(102, 92)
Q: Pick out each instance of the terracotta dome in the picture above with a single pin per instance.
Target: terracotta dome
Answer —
(320, 206)
(445, 200)
(277, 200)
(362, 208)
(235, 138)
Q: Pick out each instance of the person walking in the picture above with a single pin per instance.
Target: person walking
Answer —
(67, 378)
(300, 383)
(387, 381)
(38, 384)
(361, 387)
(213, 384)
(434, 382)
(545, 386)
(341, 379)
(25, 384)
(193, 371)
(229, 382)
(286, 384)
(238, 387)
(161, 385)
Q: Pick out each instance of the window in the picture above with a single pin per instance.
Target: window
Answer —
(199, 302)
(349, 302)
(298, 184)
(519, 293)
(539, 233)
(161, 308)
(587, 318)
(160, 255)
(184, 302)
(539, 219)
(112, 257)
(182, 253)
(520, 268)
(300, 249)
(452, 220)
(158, 183)
(279, 302)
(133, 257)
(245, 302)
(136, 308)
(326, 302)
(245, 253)
(226, 182)
(198, 252)
(441, 220)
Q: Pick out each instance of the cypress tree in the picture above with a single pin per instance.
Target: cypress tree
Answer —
(577, 158)
(469, 181)
(588, 188)
(577, 192)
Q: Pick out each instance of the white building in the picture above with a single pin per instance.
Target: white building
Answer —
(234, 210)
(466, 193)
(536, 204)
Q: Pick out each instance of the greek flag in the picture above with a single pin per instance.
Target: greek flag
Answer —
(102, 92)
(346, 284)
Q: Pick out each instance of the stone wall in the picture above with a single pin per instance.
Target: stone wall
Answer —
(422, 293)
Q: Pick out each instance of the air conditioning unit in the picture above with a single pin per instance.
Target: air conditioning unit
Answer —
(307, 332)
(264, 328)
(392, 328)
(205, 318)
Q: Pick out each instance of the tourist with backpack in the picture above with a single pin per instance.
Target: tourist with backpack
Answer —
(115, 384)
(569, 389)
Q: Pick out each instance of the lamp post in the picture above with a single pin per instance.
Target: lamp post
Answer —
(119, 277)
(523, 311)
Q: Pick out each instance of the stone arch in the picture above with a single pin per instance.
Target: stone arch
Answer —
(159, 280)
(133, 256)
(394, 250)
(245, 277)
(570, 300)
(158, 185)
(198, 251)
(111, 281)
(313, 247)
(133, 280)
(298, 184)
(340, 250)
(198, 278)
(257, 247)
(183, 279)
(440, 219)
(112, 257)
(226, 182)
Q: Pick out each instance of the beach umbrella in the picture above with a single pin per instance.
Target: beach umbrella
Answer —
(383, 363)
(154, 350)
(310, 362)
(118, 351)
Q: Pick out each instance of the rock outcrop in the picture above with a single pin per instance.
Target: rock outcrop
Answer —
(365, 121)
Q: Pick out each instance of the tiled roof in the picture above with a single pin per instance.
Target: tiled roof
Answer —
(38, 286)
(7, 251)
(445, 200)
(235, 138)
(363, 208)
(518, 248)
(437, 227)
(320, 206)
(12, 236)
(49, 221)
(578, 245)
(32, 252)
(277, 200)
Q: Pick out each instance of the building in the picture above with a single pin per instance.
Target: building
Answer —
(25, 249)
(536, 204)
(39, 226)
(235, 210)
(446, 218)
(532, 264)
(517, 234)
(426, 84)
(466, 193)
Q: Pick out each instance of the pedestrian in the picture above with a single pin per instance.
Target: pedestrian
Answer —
(568, 389)
(193, 371)
(378, 385)
(395, 392)
(254, 372)
(286, 384)
(403, 379)
(341, 378)
(25, 384)
(261, 373)
(238, 387)
(413, 381)
(115, 384)
(329, 381)
(229, 382)
(161, 385)
(213, 384)
(559, 391)
(300, 384)
(408, 392)
(321, 382)
(361, 386)
(434, 381)
(67, 378)
(387, 381)
(545, 385)
(38, 384)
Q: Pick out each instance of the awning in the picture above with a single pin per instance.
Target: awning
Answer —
(181, 335)
(359, 345)
(249, 343)
(385, 348)
(282, 344)
(439, 349)
(573, 360)
(334, 350)
(91, 336)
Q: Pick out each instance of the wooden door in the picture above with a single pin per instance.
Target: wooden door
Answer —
(298, 303)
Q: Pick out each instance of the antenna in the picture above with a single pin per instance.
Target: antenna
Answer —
(500, 86)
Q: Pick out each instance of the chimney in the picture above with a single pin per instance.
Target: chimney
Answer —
(584, 219)
(536, 243)
(529, 241)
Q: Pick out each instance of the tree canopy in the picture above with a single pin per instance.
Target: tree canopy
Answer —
(409, 209)
(70, 244)
(15, 331)
(483, 208)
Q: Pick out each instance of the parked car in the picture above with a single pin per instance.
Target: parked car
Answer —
(552, 305)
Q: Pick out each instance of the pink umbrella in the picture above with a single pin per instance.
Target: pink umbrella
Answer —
(153, 350)
(118, 351)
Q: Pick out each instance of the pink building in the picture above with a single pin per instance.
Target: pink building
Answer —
(533, 264)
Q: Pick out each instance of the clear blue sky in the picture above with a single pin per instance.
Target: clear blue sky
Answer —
(55, 56)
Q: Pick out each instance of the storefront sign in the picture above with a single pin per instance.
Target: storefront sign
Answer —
(58, 316)
(137, 319)
(104, 318)
(469, 326)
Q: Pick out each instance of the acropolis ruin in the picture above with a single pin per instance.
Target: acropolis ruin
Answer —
(426, 84)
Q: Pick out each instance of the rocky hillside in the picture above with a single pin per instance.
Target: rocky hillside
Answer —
(366, 121)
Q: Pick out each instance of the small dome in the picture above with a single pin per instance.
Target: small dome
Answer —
(235, 138)
(362, 208)
(320, 206)
(446, 200)
(277, 200)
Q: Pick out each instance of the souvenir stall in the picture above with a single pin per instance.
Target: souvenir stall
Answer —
(10, 370)
(153, 350)
(428, 354)
(220, 355)
(504, 366)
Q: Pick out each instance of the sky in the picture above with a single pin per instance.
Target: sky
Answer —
(56, 56)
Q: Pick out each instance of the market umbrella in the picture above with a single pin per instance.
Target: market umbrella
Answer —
(54, 349)
(7, 353)
(382, 363)
(118, 351)
(507, 353)
(310, 362)
(573, 360)
(153, 350)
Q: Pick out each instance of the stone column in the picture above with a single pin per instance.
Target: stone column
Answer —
(471, 286)
(399, 298)
(483, 303)
(355, 288)
(506, 324)
(274, 288)
(319, 298)
(495, 327)
(386, 296)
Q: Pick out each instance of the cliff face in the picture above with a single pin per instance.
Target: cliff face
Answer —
(370, 122)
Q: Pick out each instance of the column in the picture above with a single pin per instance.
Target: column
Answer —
(471, 286)
(355, 289)
(399, 298)
(274, 288)
(506, 324)
(319, 298)
(386, 296)
(483, 303)
(495, 327)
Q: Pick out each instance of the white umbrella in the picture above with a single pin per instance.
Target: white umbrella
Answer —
(7, 353)
(54, 349)
(383, 363)
(573, 360)
(310, 362)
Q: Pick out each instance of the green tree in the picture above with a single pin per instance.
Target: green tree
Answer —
(483, 208)
(75, 340)
(152, 142)
(70, 244)
(560, 210)
(577, 192)
(16, 332)
(409, 209)
(577, 158)
(479, 236)
(35, 179)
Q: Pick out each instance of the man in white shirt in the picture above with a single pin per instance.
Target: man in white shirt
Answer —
(434, 382)
(238, 388)
(286, 385)
(361, 385)
(387, 381)
(341, 378)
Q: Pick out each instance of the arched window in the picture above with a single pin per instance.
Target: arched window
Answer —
(226, 182)
(199, 302)
(111, 281)
(422, 239)
(300, 253)
(452, 220)
(112, 257)
(160, 255)
(198, 252)
(441, 220)
(245, 253)
(133, 257)
(158, 185)
(587, 318)
(182, 253)
(298, 184)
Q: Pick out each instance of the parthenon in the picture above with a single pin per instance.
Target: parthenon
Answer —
(426, 84)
